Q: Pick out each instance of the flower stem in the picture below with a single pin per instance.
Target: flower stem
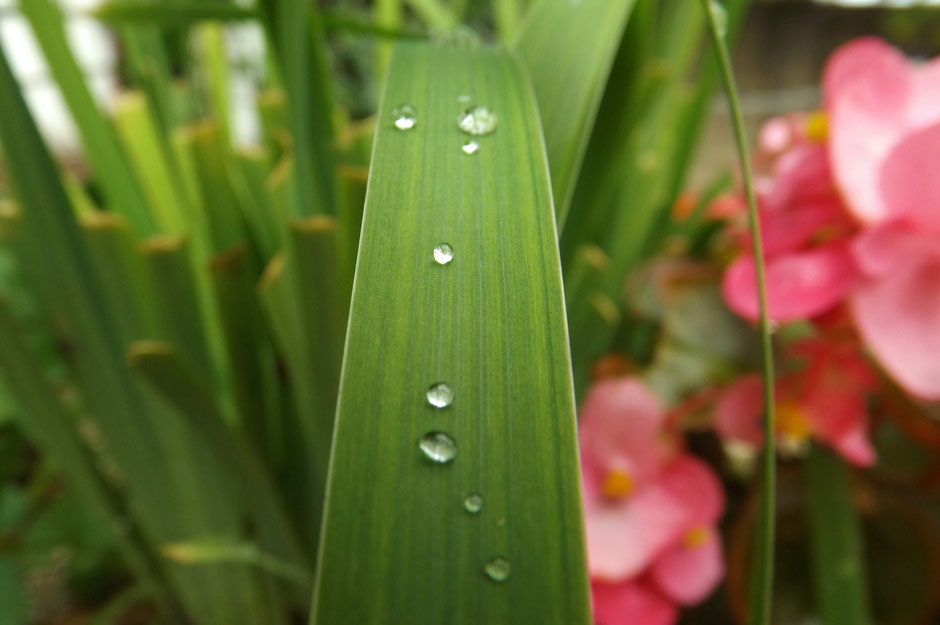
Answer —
(761, 596)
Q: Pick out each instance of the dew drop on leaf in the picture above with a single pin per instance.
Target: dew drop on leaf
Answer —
(438, 447)
(470, 147)
(473, 503)
(443, 253)
(440, 395)
(477, 120)
(405, 117)
(498, 569)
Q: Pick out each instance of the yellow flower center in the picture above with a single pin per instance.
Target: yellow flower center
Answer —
(792, 422)
(618, 484)
(817, 127)
(695, 537)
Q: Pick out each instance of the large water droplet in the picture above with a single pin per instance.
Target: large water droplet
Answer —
(440, 395)
(470, 147)
(498, 569)
(438, 447)
(477, 120)
(443, 253)
(473, 503)
(405, 117)
(720, 13)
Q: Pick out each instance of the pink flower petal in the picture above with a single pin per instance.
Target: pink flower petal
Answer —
(855, 445)
(631, 603)
(923, 109)
(738, 412)
(909, 184)
(624, 536)
(899, 320)
(621, 427)
(695, 486)
(689, 573)
(884, 248)
(800, 175)
(857, 59)
(867, 88)
(799, 285)
(794, 228)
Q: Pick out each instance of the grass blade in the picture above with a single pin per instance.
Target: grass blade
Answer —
(171, 14)
(569, 71)
(296, 28)
(112, 169)
(838, 553)
(491, 324)
(761, 605)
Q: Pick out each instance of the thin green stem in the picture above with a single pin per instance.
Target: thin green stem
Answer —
(762, 577)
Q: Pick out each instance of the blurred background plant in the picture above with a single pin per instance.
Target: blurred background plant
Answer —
(174, 289)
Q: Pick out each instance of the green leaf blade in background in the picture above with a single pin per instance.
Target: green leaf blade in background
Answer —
(397, 545)
(841, 581)
(569, 49)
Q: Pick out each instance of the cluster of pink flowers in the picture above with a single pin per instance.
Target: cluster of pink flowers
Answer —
(851, 211)
(650, 509)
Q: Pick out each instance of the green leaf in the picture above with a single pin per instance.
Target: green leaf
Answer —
(838, 551)
(14, 608)
(295, 28)
(175, 14)
(103, 150)
(210, 551)
(397, 545)
(569, 49)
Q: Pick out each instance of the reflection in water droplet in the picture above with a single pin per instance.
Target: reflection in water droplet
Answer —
(405, 117)
(440, 395)
(470, 147)
(477, 120)
(498, 569)
(720, 13)
(438, 447)
(473, 503)
(443, 253)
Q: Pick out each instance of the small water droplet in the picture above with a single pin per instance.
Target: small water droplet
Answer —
(443, 253)
(440, 395)
(498, 569)
(405, 117)
(464, 99)
(438, 447)
(470, 147)
(477, 120)
(720, 13)
(473, 503)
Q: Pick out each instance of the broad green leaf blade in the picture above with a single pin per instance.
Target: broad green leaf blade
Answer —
(838, 551)
(569, 48)
(397, 544)
(103, 150)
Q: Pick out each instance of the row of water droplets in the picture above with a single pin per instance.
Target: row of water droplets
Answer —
(438, 447)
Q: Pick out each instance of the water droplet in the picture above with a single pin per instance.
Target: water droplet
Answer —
(473, 503)
(720, 14)
(440, 395)
(405, 117)
(443, 254)
(477, 120)
(470, 147)
(438, 447)
(498, 569)
(464, 99)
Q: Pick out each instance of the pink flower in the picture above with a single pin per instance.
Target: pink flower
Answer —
(884, 114)
(824, 398)
(805, 230)
(649, 509)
